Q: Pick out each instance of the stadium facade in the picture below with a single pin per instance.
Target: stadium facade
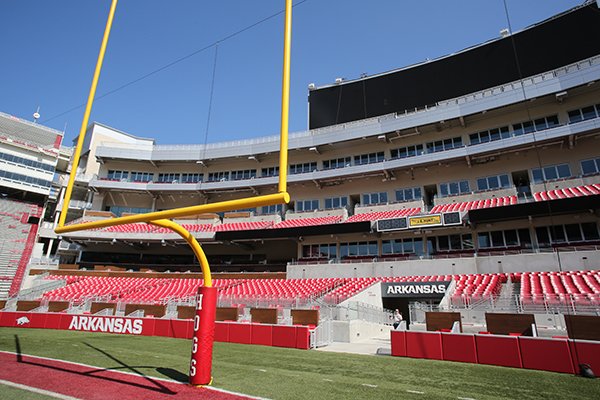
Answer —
(30, 156)
(485, 160)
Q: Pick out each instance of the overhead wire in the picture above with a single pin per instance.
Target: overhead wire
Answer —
(210, 103)
(530, 118)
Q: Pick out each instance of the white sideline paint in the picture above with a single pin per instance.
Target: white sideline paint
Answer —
(369, 385)
(414, 392)
(37, 391)
(134, 374)
(465, 398)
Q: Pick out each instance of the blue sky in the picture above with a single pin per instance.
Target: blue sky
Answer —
(49, 50)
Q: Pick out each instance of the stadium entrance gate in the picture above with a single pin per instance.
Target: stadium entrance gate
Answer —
(401, 294)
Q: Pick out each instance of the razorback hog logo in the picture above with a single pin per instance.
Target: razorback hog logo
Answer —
(23, 321)
(109, 325)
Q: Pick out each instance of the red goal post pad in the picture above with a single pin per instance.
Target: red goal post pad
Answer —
(203, 337)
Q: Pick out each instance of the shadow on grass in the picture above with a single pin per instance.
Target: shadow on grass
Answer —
(173, 374)
(154, 385)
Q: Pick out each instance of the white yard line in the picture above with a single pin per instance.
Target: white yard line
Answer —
(37, 391)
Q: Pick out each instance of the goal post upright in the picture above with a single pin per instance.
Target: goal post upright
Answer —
(285, 99)
(86, 115)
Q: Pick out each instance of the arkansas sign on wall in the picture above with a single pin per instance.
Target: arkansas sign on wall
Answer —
(414, 289)
(131, 326)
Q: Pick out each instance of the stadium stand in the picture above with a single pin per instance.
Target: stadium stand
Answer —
(280, 292)
(242, 226)
(474, 205)
(17, 238)
(581, 287)
(578, 191)
(299, 222)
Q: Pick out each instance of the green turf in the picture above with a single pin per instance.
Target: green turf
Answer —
(11, 393)
(298, 374)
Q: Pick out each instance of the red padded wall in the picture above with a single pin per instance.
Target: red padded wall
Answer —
(498, 350)
(36, 320)
(284, 336)
(182, 329)
(222, 331)
(424, 345)
(65, 321)
(546, 354)
(586, 352)
(398, 339)
(240, 333)
(460, 348)
(148, 329)
(8, 319)
(53, 321)
(302, 338)
(262, 334)
(162, 327)
(270, 335)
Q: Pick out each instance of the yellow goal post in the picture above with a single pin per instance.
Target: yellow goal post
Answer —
(163, 218)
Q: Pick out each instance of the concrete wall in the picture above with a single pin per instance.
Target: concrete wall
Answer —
(355, 331)
(371, 296)
(569, 261)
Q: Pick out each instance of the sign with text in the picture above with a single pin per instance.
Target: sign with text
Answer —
(414, 289)
(429, 220)
(132, 326)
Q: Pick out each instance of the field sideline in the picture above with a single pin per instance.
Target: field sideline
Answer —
(298, 374)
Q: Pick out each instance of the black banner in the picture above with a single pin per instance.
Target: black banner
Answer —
(414, 289)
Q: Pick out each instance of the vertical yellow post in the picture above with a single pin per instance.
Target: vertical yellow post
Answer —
(285, 98)
(86, 116)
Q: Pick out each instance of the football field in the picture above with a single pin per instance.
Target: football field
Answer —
(277, 373)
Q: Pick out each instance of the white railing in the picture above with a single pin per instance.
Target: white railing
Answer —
(321, 335)
(417, 312)
(262, 301)
(37, 291)
(137, 314)
(564, 304)
(44, 262)
(544, 304)
(359, 311)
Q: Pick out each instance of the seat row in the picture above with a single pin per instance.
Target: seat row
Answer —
(582, 286)
(560, 287)
(577, 191)
(475, 204)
